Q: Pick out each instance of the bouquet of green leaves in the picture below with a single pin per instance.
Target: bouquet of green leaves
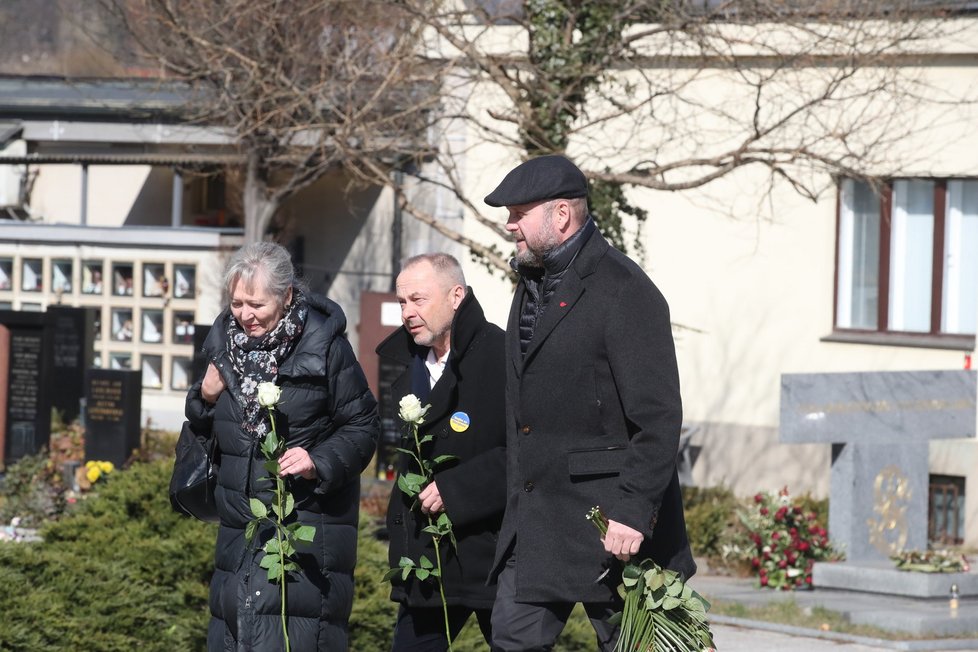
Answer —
(931, 561)
(661, 612)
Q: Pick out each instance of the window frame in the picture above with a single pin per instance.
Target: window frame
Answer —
(882, 334)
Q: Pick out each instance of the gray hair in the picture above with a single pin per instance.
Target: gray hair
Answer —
(268, 261)
(577, 205)
(445, 265)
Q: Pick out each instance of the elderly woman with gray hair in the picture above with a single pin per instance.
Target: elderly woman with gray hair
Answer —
(273, 330)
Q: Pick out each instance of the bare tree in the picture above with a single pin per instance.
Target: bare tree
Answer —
(664, 94)
(676, 94)
(303, 86)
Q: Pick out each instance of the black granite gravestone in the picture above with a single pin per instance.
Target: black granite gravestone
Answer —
(27, 411)
(72, 333)
(112, 412)
(200, 360)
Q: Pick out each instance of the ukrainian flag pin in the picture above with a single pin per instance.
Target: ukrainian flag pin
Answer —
(459, 422)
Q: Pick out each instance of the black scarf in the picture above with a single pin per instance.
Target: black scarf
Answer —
(256, 359)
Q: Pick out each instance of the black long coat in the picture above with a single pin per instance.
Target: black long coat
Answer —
(327, 408)
(473, 488)
(593, 416)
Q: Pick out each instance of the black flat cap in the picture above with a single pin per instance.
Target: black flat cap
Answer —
(539, 179)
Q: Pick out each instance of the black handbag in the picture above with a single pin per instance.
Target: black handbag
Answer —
(194, 476)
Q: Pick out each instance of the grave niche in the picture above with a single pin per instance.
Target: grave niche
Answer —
(112, 411)
(25, 400)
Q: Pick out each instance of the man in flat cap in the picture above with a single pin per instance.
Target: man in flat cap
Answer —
(593, 416)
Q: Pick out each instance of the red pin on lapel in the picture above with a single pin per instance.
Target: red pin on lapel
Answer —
(563, 304)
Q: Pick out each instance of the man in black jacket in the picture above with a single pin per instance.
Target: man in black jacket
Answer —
(452, 359)
(593, 416)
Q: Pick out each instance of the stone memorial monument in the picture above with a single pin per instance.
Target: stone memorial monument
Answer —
(879, 426)
(112, 408)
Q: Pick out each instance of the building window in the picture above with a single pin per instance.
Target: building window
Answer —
(31, 275)
(121, 361)
(183, 328)
(122, 325)
(61, 275)
(945, 513)
(6, 274)
(185, 281)
(152, 326)
(92, 277)
(181, 372)
(154, 280)
(902, 263)
(122, 280)
(152, 367)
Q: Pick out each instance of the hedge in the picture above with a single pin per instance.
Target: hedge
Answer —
(121, 571)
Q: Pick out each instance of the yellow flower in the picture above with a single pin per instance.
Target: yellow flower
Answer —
(106, 467)
(93, 473)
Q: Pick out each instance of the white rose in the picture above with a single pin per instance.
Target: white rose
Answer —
(268, 394)
(411, 410)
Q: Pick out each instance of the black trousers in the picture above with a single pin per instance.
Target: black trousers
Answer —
(535, 626)
(422, 629)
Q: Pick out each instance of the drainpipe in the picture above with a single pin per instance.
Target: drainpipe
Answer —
(396, 230)
(84, 195)
(176, 209)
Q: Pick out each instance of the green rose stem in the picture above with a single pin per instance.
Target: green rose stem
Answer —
(279, 500)
(278, 560)
(435, 538)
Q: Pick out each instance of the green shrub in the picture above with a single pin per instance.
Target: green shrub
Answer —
(119, 571)
(711, 518)
(26, 492)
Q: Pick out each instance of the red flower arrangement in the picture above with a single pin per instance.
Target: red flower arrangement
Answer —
(786, 541)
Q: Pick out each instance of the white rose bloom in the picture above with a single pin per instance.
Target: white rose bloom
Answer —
(268, 394)
(411, 410)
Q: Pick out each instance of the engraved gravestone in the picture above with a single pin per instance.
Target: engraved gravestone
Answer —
(26, 409)
(72, 334)
(112, 409)
(200, 360)
(879, 426)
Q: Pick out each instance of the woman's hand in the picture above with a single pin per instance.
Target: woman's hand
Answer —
(296, 461)
(213, 384)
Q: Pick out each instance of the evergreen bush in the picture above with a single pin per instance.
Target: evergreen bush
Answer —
(119, 571)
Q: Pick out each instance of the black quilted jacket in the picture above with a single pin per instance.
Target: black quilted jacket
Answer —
(327, 408)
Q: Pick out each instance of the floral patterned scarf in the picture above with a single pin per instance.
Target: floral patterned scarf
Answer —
(257, 359)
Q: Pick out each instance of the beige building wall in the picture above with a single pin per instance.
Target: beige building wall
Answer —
(749, 274)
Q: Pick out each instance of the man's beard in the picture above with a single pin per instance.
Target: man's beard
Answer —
(533, 257)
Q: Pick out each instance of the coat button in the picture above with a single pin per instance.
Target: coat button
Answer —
(397, 520)
(526, 430)
(528, 487)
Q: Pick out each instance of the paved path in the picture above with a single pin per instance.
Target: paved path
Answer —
(730, 638)
(736, 639)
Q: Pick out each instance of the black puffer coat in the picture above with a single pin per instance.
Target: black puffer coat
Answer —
(327, 408)
(473, 488)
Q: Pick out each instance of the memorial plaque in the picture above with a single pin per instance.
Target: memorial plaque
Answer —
(72, 333)
(112, 413)
(27, 408)
(880, 407)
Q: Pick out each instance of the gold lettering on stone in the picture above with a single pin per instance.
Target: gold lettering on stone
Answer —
(888, 530)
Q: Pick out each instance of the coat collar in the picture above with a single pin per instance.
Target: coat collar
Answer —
(400, 347)
(566, 296)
